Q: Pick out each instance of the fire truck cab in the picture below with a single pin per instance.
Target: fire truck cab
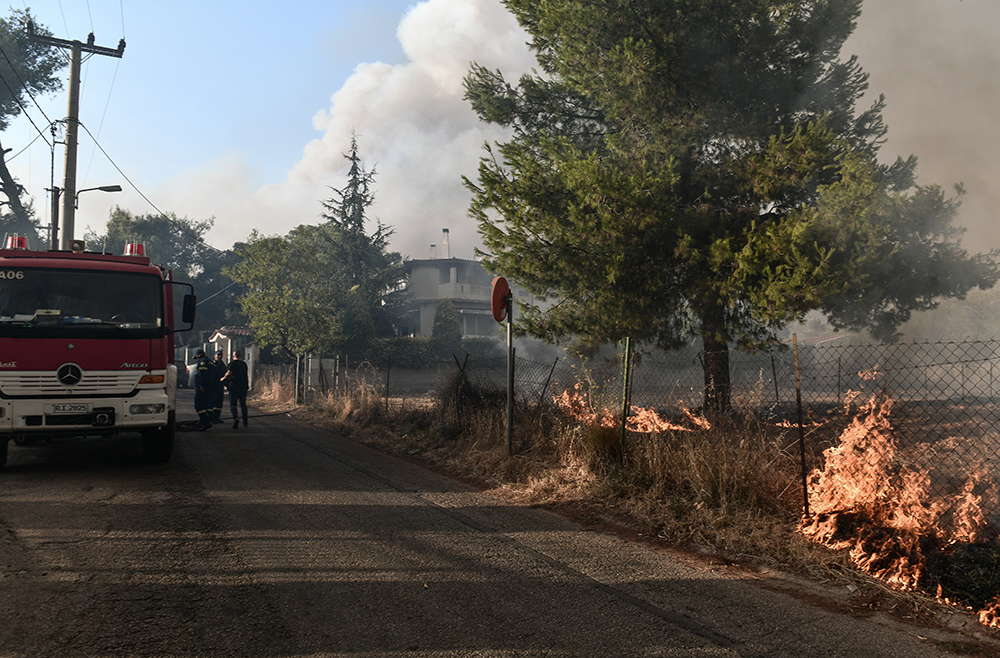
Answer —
(87, 347)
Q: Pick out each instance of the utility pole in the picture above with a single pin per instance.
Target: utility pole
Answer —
(54, 237)
(76, 50)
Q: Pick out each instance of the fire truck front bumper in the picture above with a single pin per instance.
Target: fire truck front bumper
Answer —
(146, 409)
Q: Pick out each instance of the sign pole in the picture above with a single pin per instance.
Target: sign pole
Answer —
(510, 376)
(502, 306)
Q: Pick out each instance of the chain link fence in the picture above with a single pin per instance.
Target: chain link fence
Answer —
(909, 435)
(905, 432)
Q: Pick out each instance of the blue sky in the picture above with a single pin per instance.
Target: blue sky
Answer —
(203, 80)
(241, 110)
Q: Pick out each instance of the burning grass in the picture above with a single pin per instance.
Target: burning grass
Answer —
(921, 518)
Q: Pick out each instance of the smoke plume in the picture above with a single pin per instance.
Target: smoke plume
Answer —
(933, 59)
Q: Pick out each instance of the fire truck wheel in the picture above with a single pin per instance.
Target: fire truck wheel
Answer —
(158, 444)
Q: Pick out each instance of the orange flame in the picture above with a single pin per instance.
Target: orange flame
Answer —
(578, 405)
(878, 501)
(990, 615)
(869, 375)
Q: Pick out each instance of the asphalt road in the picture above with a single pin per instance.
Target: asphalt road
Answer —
(281, 540)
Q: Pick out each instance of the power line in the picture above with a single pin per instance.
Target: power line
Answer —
(26, 147)
(202, 301)
(76, 51)
(24, 86)
(17, 100)
(63, 14)
(17, 96)
(104, 114)
(182, 227)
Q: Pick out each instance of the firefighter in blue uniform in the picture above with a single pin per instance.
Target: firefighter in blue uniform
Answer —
(203, 374)
(217, 391)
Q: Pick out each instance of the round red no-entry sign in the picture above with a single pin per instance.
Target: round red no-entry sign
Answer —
(499, 298)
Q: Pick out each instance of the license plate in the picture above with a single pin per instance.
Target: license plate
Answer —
(70, 409)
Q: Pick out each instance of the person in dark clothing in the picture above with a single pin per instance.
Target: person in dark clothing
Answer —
(237, 379)
(217, 392)
(202, 374)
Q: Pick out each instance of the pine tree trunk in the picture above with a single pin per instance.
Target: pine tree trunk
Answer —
(717, 378)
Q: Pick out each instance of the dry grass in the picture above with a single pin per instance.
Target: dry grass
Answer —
(270, 395)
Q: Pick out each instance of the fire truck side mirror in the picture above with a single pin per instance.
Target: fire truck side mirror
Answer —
(188, 309)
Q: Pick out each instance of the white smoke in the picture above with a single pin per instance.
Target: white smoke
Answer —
(932, 59)
(412, 124)
(936, 63)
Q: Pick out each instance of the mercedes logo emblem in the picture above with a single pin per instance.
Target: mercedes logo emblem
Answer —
(69, 374)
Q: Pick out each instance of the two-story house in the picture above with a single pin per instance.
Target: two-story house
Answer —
(465, 282)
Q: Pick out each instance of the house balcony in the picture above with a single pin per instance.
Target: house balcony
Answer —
(463, 291)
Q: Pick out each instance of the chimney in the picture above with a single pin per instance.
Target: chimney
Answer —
(434, 251)
(445, 247)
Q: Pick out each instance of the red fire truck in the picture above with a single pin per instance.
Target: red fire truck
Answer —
(87, 347)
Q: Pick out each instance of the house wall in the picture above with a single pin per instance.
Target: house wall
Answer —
(464, 282)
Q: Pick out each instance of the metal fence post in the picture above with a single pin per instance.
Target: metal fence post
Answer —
(839, 387)
(511, 360)
(295, 397)
(802, 438)
(774, 376)
(541, 396)
(962, 380)
(388, 366)
(625, 394)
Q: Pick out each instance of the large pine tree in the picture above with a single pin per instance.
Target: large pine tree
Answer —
(361, 261)
(686, 169)
(324, 288)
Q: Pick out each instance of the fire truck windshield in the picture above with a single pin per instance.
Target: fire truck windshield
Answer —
(62, 303)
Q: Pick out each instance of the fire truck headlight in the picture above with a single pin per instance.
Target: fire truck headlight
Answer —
(151, 379)
(137, 409)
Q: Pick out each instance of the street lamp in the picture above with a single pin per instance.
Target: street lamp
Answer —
(56, 193)
(102, 188)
